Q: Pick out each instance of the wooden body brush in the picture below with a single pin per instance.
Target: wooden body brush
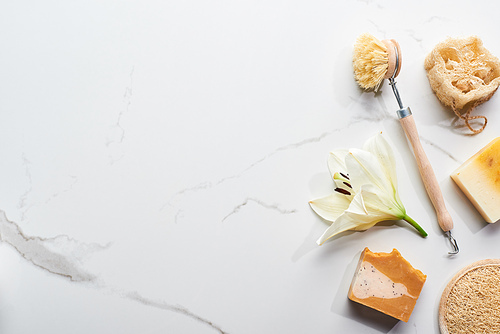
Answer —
(373, 62)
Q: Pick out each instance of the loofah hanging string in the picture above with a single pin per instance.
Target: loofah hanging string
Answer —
(467, 118)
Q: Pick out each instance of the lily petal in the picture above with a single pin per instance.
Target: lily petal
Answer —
(364, 168)
(336, 161)
(357, 217)
(357, 205)
(380, 148)
(332, 206)
(377, 203)
(348, 221)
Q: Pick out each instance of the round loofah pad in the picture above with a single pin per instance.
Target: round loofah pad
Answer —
(463, 74)
(470, 302)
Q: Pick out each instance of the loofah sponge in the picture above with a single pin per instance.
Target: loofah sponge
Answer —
(469, 303)
(463, 74)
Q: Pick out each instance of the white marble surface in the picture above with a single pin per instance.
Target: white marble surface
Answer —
(157, 158)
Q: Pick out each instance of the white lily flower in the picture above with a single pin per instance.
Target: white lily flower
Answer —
(365, 191)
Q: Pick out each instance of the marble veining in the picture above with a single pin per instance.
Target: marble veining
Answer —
(59, 255)
(206, 185)
(63, 256)
(22, 204)
(134, 296)
(441, 149)
(275, 207)
(117, 133)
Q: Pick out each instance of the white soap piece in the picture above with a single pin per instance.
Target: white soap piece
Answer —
(479, 179)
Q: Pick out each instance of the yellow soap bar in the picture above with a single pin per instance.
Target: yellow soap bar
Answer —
(479, 179)
(387, 283)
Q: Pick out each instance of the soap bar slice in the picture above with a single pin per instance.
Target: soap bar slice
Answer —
(387, 282)
(479, 179)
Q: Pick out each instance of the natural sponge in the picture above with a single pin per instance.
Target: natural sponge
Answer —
(463, 74)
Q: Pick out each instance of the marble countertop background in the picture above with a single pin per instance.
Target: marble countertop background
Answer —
(157, 159)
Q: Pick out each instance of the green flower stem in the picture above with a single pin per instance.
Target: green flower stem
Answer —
(415, 225)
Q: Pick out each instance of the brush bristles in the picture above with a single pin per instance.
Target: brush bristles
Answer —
(370, 61)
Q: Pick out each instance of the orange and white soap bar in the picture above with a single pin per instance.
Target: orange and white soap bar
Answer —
(387, 283)
(479, 179)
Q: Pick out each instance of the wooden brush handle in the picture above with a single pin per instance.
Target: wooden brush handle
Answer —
(428, 177)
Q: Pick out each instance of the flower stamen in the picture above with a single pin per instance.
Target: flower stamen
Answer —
(342, 191)
(344, 176)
